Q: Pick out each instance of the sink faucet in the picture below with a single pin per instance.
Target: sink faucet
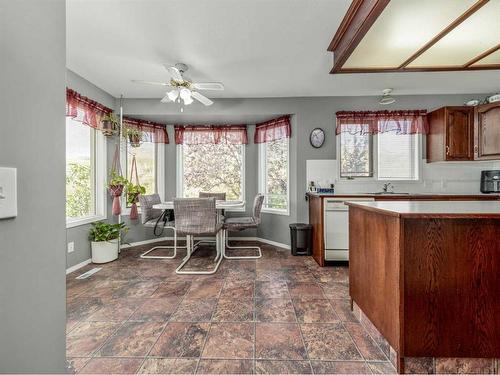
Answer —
(386, 186)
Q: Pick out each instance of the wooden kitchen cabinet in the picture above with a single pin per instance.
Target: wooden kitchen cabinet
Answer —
(487, 132)
(451, 134)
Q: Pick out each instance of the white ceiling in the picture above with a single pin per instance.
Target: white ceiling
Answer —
(257, 48)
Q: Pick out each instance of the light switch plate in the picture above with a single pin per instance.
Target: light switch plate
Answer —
(8, 192)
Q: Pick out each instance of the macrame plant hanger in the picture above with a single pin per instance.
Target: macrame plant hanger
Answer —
(134, 214)
(116, 190)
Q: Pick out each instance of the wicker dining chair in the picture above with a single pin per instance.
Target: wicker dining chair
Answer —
(235, 224)
(198, 217)
(149, 218)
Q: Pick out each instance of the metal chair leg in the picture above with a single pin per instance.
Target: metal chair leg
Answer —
(146, 256)
(259, 250)
(190, 246)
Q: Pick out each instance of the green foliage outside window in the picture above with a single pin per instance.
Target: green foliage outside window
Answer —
(78, 190)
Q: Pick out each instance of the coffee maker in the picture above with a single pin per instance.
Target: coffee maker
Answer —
(490, 181)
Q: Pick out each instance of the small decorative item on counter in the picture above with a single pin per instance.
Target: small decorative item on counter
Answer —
(312, 187)
(109, 125)
(134, 190)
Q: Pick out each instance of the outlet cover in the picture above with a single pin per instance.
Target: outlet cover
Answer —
(8, 192)
(71, 247)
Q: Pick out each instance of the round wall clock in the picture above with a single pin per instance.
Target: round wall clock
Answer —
(317, 137)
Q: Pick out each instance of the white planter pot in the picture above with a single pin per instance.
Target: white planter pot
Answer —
(104, 251)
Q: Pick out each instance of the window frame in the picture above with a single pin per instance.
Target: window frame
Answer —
(371, 153)
(98, 170)
(262, 151)
(179, 176)
(374, 162)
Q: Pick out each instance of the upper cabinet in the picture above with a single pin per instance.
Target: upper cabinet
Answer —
(451, 134)
(487, 132)
(464, 133)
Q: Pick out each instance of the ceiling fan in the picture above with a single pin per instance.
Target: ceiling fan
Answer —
(182, 88)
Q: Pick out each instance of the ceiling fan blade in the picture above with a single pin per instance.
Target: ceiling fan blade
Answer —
(175, 73)
(201, 98)
(150, 82)
(208, 85)
(165, 99)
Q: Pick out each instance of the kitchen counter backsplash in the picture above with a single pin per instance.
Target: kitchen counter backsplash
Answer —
(436, 178)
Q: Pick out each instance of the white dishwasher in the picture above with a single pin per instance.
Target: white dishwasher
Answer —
(337, 227)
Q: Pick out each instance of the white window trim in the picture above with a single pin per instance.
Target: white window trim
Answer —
(374, 160)
(180, 174)
(159, 175)
(262, 188)
(100, 163)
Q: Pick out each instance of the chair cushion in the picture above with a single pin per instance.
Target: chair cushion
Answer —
(239, 223)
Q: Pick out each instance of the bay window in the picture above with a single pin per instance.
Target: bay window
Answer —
(274, 175)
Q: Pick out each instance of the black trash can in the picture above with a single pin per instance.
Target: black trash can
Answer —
(301, 238)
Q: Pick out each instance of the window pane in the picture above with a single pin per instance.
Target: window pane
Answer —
(146, 165)
(79, 170)
(213, 168)
(276, 175)
(355, 155)
(397, 156)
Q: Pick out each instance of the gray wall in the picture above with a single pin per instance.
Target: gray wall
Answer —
(308, 113)
(32, 139)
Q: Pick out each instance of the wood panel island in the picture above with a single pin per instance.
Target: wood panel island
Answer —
(427, 276)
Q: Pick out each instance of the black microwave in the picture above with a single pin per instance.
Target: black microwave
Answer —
(490, 181)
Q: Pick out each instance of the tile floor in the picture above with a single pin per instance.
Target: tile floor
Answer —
(278, 314)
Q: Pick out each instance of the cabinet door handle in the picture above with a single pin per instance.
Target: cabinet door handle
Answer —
(476, 149)
(447, 150)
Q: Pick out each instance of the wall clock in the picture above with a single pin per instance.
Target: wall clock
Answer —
(317, 137)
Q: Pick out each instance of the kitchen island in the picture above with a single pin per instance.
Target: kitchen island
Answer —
(427, 276)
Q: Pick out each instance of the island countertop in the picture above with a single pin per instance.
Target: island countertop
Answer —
(435, 209)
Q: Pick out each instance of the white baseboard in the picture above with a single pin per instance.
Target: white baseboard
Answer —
(78, 266)
(153, 240)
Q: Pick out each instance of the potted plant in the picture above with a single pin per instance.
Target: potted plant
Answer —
(115, 186)
(133, 192)
(134, 136)
(104, 241)
(109, 125)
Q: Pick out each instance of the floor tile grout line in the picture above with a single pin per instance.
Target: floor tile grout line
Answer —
(209, 328)
(164, 328)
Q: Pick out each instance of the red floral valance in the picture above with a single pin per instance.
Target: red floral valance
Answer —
(151, 131)
(85, 110)
(273, 130)
(373, 122)
(210, 134)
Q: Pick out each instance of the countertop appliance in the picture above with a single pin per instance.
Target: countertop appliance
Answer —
(337, 227)
(490, 181)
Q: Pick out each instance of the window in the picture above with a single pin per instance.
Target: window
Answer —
(274, 176)
(355, 154)
(85, 166)
(398, 156)
(211, 168)
(145, 157)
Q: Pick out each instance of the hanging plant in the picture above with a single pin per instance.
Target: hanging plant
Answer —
(116, 183)
(134, 190)
(134, 136)
(109, 125)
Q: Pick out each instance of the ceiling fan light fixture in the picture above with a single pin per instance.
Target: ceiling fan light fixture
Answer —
(386, 98)
(173, 94)
(185, 93)
(188, 100)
